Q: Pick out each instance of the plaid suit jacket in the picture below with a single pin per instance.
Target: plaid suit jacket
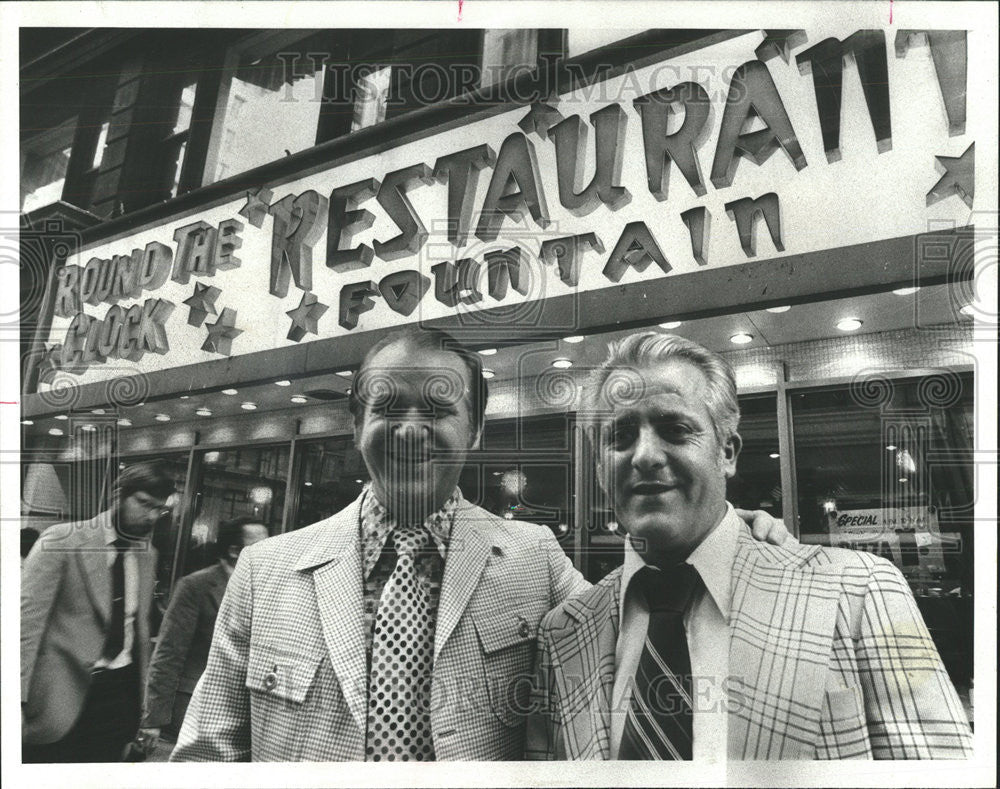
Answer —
(829, 659)
(287, 679)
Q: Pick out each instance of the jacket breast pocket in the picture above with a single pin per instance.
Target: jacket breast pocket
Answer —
(508, 643)
(843, 727)
(284, 693)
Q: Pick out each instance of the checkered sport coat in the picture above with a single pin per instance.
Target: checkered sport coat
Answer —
(286, 678)
(832, 657)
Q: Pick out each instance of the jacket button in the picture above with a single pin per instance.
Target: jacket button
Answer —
(270, 681)
(523, 629)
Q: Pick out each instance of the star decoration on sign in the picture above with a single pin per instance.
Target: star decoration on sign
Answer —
(540, 118)
(305, 317)
(959, 177)
(257, 205)
(222, 333)
(202, 303)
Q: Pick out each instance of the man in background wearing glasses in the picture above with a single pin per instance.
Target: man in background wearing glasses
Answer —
(86, 593)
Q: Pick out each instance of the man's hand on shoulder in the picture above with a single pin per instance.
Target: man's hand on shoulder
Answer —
(767, 528)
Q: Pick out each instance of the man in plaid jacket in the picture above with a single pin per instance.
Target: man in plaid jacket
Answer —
(289, 672)
(794, 652)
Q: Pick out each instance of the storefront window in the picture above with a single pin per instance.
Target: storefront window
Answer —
(332, 475)
(886, 468)
(757, 484)
(524, 471)
(230, 483)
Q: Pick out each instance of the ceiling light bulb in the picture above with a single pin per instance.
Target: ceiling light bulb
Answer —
(849, 324)
(230, 392)
(741, 338)
(782, 308)
(88, 428)
(162, 418)
(299, 399)
(905, 291)
(62, 417)
(98, 411)
(204, 412)
(774, 455)
(488, 373)
(561, 364)
(27, 422)
(574, 338)
(968, 309)
(345, 373)
(283, 383)
(248, 406)
(890, 447)
(55, 431)
(124, 422)
(185, 397)
(487, 351)
(670, 324)
(307, 483)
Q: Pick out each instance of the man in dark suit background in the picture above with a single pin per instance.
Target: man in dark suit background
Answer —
(186, 634)
(86, 593)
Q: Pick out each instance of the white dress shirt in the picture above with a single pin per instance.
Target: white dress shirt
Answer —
(707, 625)
(124, 658)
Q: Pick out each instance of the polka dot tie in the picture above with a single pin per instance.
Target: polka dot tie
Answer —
(399, 719)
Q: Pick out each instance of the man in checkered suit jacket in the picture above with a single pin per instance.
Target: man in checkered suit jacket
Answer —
(823, 651)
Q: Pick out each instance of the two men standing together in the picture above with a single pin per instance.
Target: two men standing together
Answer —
(404, 627)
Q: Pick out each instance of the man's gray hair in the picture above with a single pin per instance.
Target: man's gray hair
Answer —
(617, 381)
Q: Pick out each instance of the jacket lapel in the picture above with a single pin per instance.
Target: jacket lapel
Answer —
(335, 563)
(92, 554)
(782, 621)
(583, 658)
(468, 550)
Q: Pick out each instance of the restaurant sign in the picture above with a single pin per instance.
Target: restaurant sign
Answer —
(764, 145)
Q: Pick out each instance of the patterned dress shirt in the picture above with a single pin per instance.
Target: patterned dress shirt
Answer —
(378, 562)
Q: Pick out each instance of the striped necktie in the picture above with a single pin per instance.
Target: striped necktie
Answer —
(659, 720)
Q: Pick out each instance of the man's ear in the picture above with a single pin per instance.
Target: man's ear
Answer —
(730, 451)
(476, 438)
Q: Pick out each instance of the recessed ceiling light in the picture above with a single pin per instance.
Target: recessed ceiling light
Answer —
(890, 447)
(162, 418)
(283, 383)
(574, 338)
(27, 422)
(561, 364)
(98, 411)
(488, 373)
(62, 417)
(742, 338)
(299, 399)
(124, 422)
(88, 427)
(905, 291)
(782, 308)
(55, 431)
(968, 309)
(774, 455)
(203, 411)
(345, 373)
(488, 351)
(248, 406)
(849, 324)
(230, 392)
(670, 324)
